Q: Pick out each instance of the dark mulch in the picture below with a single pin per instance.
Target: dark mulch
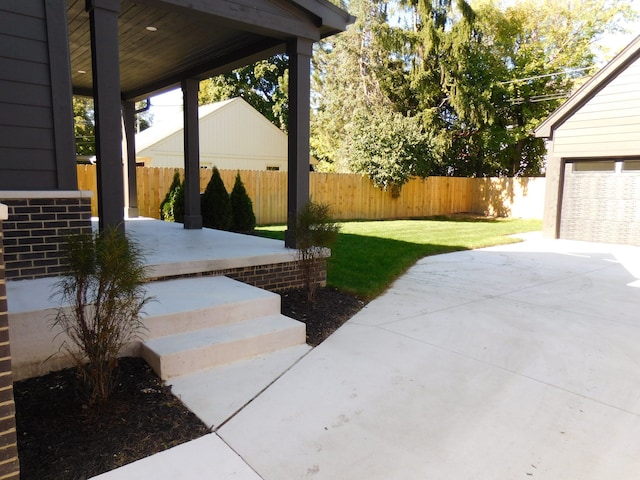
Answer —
(60, 438)
(330, 310)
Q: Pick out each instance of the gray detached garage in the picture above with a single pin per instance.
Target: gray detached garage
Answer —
(593, 157)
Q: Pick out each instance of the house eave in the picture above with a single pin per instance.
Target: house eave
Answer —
(585, 93)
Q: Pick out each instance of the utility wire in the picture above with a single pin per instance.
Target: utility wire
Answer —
(565, 72)
(540, 98)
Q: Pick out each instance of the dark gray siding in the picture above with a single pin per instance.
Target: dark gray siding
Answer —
(35, 141)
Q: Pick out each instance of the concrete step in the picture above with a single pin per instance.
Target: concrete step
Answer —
(179, 305)
(188, 352)
(190, 304)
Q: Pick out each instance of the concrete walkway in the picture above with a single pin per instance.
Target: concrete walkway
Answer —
(520, 361)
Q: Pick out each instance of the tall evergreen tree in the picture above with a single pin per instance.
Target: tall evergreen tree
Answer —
(366, 104)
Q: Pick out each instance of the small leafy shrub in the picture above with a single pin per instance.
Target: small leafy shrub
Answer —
(390, 148)
(243, 218)
(315, 232)
(172, 207)
(105, 289)
(215, 204)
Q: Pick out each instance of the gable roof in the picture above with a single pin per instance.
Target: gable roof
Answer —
(154, 135)
(585, 93)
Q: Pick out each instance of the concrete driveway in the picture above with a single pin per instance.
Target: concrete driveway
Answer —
(511, 362)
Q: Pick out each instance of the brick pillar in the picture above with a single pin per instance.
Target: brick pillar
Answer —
(9, 466)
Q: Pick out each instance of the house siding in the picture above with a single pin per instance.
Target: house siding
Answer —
(25, 88)
(608, 124)
(36, 145)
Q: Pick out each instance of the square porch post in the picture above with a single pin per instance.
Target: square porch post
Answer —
(299, 51)
(192, 214)
(131, 198)
(105, 58)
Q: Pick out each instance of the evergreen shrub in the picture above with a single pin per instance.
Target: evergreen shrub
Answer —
(215, 204)
(243, 218)
(172, 207)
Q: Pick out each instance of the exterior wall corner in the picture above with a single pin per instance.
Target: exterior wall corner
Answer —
(9, 466)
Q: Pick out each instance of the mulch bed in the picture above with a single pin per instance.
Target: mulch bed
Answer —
(329, 311)
(60, 438)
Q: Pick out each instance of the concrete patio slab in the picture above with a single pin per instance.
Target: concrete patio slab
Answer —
(519, 361)
(522, 377)
(593, 357)
(215, 395)
(376, 405)
(201, 249)
(205, 458)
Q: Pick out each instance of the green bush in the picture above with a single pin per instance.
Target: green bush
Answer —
(172, 207)
(315, 232)
(105, 289)
(243, 218)
(215, 204)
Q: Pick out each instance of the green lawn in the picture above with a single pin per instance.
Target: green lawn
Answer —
(369, 256)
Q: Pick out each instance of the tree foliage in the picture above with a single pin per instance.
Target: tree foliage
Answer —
(354, 77)
(390, 148)
(478, 76)
(84, 126)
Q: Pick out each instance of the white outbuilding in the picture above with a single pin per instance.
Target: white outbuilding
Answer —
(233, 135)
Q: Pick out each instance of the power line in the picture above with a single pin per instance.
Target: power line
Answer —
(540, 98)
(535, 77)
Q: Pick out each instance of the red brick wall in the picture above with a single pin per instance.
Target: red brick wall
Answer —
(274, 277)
(9, 466)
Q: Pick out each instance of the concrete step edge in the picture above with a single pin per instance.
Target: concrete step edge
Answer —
(194, 351)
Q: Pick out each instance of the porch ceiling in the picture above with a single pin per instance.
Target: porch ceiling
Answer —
(195, 38)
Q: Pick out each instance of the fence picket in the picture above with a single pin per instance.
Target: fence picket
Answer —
(351, 196)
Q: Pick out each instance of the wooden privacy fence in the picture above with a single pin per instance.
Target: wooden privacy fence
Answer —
(351, 196)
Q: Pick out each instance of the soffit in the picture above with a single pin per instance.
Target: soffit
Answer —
(191, 39)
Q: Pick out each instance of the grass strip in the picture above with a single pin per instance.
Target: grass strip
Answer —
(369, 256)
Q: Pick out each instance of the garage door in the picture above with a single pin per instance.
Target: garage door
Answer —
(601, 201)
